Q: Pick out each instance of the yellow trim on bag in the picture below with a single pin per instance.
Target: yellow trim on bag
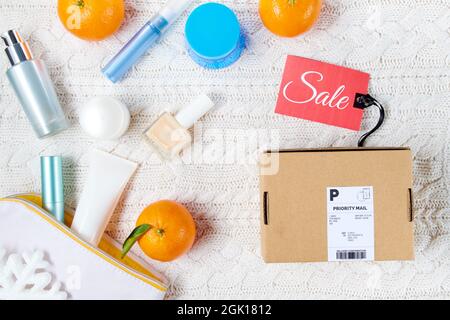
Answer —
(85, 245)
(104, 245)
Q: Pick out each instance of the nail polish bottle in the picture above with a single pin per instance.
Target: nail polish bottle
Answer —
(169, 134)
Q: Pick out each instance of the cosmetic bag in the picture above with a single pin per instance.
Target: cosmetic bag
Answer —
(34, 247)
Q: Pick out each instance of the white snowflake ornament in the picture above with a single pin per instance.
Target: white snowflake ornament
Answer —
(25, 278)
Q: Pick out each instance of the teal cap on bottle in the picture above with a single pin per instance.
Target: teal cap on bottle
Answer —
(52, 186)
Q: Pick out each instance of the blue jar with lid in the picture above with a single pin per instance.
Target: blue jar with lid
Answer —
(214, 36)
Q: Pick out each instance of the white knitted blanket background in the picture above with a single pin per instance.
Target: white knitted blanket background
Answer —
(403, 44)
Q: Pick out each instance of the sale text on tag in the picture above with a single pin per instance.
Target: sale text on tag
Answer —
(321, 92)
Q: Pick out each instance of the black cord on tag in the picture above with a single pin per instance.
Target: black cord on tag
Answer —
(364, 101)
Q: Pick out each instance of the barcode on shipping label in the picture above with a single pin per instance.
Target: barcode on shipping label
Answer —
(351, 254)
(350, 213)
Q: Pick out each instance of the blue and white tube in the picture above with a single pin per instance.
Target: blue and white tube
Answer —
(116, 69)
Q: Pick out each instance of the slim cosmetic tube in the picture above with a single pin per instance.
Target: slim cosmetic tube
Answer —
(144, 39)
(107, 178)
(52, 186)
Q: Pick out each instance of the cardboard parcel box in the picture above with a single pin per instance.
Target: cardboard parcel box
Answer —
(337, 205)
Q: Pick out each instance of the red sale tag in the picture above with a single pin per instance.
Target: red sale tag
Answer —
(321, 92)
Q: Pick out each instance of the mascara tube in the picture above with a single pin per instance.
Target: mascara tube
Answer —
(52, 186)
(144, 39)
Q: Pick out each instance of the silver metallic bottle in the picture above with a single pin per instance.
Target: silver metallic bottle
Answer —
(34, 88)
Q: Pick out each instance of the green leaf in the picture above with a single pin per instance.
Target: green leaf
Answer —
(137, 233)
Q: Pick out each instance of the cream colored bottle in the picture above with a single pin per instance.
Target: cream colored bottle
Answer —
(169, 135)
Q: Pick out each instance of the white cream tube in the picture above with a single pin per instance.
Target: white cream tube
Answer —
(107, 178)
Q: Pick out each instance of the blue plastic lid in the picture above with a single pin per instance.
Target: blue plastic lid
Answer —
(213, 31)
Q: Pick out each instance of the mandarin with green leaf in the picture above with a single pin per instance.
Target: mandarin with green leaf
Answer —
(165, 230)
